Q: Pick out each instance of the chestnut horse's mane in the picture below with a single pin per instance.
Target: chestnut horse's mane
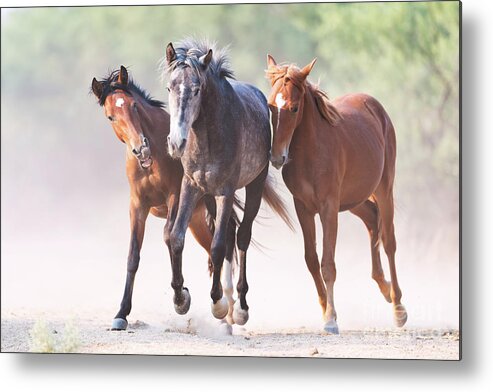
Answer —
(325, 107)
(110, 83)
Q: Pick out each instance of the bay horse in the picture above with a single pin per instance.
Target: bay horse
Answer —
(220, 130)
(154, 178)
(335, 156)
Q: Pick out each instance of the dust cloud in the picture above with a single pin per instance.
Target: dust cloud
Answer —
(65, 240)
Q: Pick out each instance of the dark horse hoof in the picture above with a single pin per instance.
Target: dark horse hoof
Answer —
(119, 324)
(182, 304)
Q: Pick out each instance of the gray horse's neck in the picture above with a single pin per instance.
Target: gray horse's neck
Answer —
(210, 158)
(212, 134)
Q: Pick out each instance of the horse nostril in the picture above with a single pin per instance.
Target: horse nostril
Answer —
(135, 152)
(182, 145)
(145, 142)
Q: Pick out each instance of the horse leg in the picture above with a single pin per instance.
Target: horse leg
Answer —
(368, 213)
(307, 222)
(224, 205)
(227, 272)
(172, 204)
(188, 199)
(253, 198)
(385, 204)
(138, 216)
(328, 216)
(201, 231)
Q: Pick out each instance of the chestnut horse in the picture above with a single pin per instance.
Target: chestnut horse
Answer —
(155, 179)
(336, 156)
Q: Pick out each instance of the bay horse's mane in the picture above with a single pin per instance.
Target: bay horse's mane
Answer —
(190, 50)
(110, 84)
(324, 106)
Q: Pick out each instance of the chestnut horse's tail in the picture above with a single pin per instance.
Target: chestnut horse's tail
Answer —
(275, 202)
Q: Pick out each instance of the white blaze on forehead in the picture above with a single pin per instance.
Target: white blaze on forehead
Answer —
(119, 102)
(182, 89)
(280, 101)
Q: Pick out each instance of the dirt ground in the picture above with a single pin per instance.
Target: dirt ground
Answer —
(196, 337)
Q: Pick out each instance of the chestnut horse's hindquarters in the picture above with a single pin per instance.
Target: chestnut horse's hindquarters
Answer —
(384, 199)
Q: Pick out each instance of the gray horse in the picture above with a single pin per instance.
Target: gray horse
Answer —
(220, 130)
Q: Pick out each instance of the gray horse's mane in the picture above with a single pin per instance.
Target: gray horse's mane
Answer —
(190, 50)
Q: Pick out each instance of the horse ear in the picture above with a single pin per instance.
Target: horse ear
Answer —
(123, 76)
(206, 59)
(270, 61)
(308, 68)
(170, 53)
(97, 88)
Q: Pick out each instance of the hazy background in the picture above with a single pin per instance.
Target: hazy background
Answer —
(64, 198)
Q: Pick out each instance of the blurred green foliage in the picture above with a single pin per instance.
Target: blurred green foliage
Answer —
(405, 54)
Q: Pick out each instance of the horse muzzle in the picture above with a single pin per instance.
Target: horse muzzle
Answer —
(143, 154)
(146, 163)
(175, 150)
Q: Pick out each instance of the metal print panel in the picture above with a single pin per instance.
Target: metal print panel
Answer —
(275, 180)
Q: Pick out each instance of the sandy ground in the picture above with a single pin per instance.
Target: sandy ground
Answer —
(196, 337)
(76, 271)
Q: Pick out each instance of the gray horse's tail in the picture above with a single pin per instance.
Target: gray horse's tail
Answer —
(275, 202)
(272, 199)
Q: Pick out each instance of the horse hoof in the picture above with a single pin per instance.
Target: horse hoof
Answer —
(240, 316)
(400, 315)
(183, 306)
(225, 328)
(119, 324)
(331, 327)
(220, 308)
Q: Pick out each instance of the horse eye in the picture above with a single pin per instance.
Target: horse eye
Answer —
(167, 88)
(111, 118)
(134, 107)
(295, 109)
(196, 92)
